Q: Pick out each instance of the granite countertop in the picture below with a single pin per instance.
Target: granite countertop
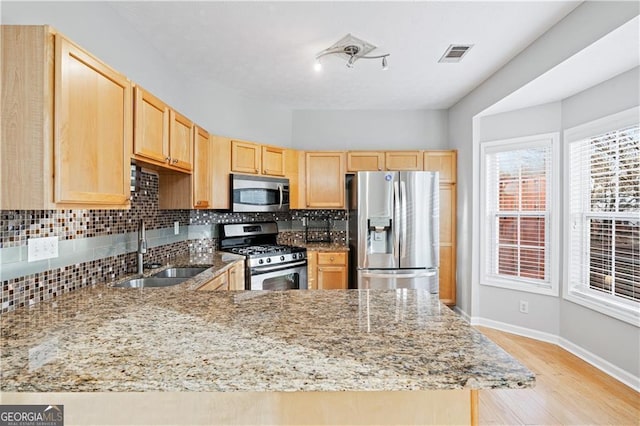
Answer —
(323, 246)
(175, 339)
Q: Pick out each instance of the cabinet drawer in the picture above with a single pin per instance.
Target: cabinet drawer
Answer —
(338, 258)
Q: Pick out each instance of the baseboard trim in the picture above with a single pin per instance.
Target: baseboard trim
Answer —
(462, 313)
(587, 356)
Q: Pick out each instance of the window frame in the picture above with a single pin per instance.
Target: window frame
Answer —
(551, 287)
(610, 305)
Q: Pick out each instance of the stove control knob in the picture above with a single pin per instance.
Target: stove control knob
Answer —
(260, 261)
(268, 260)
(294, 256)
(281, 257)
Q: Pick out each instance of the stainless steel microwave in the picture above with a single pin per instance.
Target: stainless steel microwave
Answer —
(259, 194)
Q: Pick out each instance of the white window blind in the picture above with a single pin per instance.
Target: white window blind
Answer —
(517, 205)
(605, 215)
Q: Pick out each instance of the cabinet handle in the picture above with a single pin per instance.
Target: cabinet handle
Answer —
(331, 258)
(175, 161)
(167, 159)
(256, 170)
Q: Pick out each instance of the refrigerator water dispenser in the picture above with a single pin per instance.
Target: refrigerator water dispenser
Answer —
(379, 234)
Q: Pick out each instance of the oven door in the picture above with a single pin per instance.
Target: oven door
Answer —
(289, 276)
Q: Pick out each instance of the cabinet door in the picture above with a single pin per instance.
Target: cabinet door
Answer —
(332, 277)
(236, 276)
(245, 157)
(448, 244)
(365, 161)
(180, 141)
(92, 129)
(273, 161)
(325, 179)
(151, 133)
(443, 162)
(221, 282)
(202, 169)
(221, 170)
(403, 160)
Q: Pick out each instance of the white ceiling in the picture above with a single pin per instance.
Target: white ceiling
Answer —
(266, 50)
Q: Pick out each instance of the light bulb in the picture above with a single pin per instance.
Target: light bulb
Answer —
(318, 65)
(385, 65)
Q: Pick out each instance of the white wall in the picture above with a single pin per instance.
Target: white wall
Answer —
(615, 341)
(370, 129)
(499, 304)
(610, 344)
(558, 44)
(96, 27)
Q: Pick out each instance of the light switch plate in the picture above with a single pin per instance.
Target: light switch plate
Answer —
(42, 248)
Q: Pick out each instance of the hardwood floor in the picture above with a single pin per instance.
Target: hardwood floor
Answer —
(568, 390)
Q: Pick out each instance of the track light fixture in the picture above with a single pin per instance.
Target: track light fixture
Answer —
(351, 49)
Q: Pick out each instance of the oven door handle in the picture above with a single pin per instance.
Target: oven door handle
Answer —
(283, 266)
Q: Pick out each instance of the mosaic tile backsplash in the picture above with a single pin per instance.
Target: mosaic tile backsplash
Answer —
(110, 232)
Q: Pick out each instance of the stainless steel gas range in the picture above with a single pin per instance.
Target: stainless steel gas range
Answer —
(268, 265)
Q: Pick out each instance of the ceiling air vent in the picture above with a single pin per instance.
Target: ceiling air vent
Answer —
(455, 52)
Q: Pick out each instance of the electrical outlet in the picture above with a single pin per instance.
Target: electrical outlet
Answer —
(176, 227)
(43, 354)
(524, 307)
(42, 248)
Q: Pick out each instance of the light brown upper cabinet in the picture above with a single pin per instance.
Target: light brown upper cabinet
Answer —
(221, 169)
(66, 125)
(443, 162)
(245, 157)
(273, 161)
(188, 191)
(365, 161)
(202, 174)
(294, 171)
(324, 180)
(162, 136)
(253, 158)
(403, 160)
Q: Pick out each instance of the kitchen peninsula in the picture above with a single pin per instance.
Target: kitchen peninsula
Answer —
(174, 355)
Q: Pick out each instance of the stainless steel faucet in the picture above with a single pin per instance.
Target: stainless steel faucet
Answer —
(142, 246)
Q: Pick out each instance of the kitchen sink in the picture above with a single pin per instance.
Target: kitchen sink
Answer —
(150, 282)
(179, 272)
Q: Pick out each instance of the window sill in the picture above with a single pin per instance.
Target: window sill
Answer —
(619, 311)
(547, 290)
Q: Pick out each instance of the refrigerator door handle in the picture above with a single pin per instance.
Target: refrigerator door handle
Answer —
(396, 226)
(429, 273)
(403, 200)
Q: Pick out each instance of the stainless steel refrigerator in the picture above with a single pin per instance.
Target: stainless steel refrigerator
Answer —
(394, 230)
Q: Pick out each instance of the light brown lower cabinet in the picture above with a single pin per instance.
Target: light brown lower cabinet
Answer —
(231, 279)
(327, 270)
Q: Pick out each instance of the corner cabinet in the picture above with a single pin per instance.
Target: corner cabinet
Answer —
(327, 270)
(66, 125)
(230, 279)
(445, 162)
(325, 179)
